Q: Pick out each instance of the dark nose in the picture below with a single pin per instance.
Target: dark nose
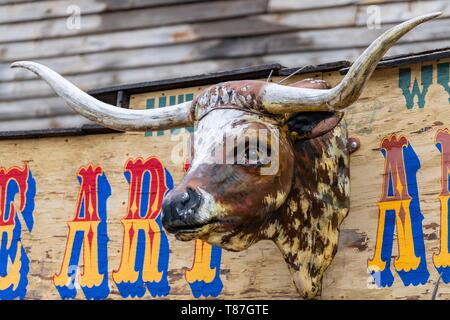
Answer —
(179, 209)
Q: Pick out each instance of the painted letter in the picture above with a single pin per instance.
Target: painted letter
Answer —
(443, 77)
(405, 84)
(13, 257)
(442, 259)
(204, 276)
(87, 230)
(145, 249)
(399, 208)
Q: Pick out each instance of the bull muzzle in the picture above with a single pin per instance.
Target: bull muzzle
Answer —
(180, 211)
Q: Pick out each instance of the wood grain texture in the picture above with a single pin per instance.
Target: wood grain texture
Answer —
(43, 10)
(131, 19)
(56, 200)
(260, 271)
(35, 88)
(122, 42)
(379, 112)
(54, 120)
(255, 24)
(265, 45)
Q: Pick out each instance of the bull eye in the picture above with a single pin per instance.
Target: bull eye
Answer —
(251, 154)
(256, 156)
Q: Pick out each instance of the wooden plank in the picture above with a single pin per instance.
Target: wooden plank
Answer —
(400, 11)
(257, 71)
(55, 132)
(252, 25)
(36, 88)
(259, 272)
(361, 37)
(382, 111)
(289, 5)
(42, 10)
(108, 41)
(132, 19)
(316, 40)
(358, 16)
(56, 199)
(263, 71)
(63, 121)
(317, 57)
(184, 33)
(116, 60)
(9, 2)
(33, 108)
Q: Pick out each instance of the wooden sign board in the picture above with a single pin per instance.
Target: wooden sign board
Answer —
(80, 215)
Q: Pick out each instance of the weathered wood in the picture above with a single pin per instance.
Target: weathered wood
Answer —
(123, 42)
(46, 243)
(8, 2)
(42, 10)
(33, 109)
(69, 120)
(196, 80)
(43, 48)
(289, 5)
(258, 272)
(303, 41)
(34, 88)
(181, 33)
(317, 57)
(398, 11)
(131, 19)
(292, 20)
(384, 111)
(380, 112)
(215, 49)
(264, 24)
(55, 132)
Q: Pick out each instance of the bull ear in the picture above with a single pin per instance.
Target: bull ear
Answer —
(308, 125)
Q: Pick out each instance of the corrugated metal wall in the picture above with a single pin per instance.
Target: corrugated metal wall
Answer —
(120, 42)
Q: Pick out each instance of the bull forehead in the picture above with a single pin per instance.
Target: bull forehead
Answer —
(233, 94)
(222, 124)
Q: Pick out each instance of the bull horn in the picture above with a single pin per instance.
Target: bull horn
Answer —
(108, 115)
(285, 99)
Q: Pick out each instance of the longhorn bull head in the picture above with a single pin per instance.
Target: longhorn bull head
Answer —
(301, 206)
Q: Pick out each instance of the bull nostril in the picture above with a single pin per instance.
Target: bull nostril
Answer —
(180, 208)
(184, 197)
(194, 197)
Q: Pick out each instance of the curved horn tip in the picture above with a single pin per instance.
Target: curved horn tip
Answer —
(432, 15)
(425, 17)
(22, 64)
(17, 64)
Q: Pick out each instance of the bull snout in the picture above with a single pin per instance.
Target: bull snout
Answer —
(179, 210)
